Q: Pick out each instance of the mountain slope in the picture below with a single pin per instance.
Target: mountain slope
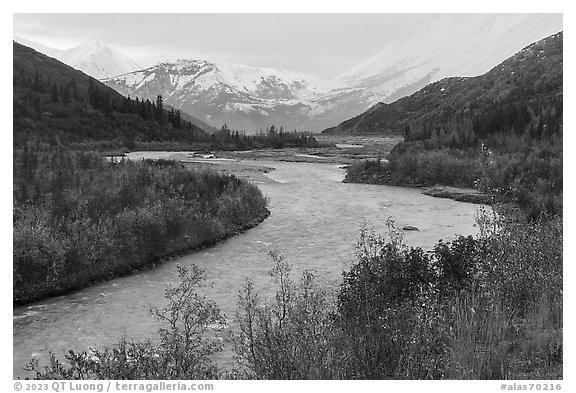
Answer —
(198, 123)
(442, 45)
(52, 52)
(447, 45)
(537, 69)
(500, 133)
(58, 104)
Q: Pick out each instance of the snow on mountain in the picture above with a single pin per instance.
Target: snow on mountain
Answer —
(98, 60)
(263, 83)
(52, 52)
(446, 45)
(241, 96)
(93, 58)
(252, 98)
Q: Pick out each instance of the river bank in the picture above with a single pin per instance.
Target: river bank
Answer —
(345, 150)
(342, 150)
(175, 254)
(79, 220)
(372, 172)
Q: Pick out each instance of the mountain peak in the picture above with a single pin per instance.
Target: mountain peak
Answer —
(94, 45)
(90, 48)
(99, 60)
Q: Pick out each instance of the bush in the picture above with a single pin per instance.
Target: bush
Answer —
(484, 308)
(184, 350)
(78, 219)
(529, 175)
(289, 338)
(475, 308)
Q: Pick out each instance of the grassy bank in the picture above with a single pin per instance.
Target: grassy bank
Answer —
(80, 219)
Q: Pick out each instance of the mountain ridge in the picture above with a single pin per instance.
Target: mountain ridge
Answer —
(222, 92)
(455, 95)
(57, 104)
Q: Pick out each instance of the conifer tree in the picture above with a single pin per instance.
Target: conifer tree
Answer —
(159, 111)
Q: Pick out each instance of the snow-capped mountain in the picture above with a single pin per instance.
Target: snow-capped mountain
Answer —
(253, 98)
(93, 58)
(98, 60)
(445, 45)
(243, 97)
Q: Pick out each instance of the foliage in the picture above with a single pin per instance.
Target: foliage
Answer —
(500, 132)
(183, 352)
(227, 139)
(473, 316)
(528, 173)
(476, 308)
(79, 218)
(184, 324)
(290, 337)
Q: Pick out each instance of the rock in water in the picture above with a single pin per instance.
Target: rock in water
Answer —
(409, 228)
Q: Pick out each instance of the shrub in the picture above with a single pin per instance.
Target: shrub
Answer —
(484, 308)
(184, 351)
(79, 219)
(289, 338)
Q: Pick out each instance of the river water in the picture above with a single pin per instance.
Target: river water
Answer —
(314, 223)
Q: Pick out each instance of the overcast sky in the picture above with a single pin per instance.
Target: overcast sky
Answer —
(324, 45)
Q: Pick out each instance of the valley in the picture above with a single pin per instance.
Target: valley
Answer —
(206, 217)
(312, 228)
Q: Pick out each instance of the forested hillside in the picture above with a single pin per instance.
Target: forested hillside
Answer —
(518, 93)
(59, 105)
(500, 133)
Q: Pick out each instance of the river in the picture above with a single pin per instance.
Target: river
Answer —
(314, 222)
